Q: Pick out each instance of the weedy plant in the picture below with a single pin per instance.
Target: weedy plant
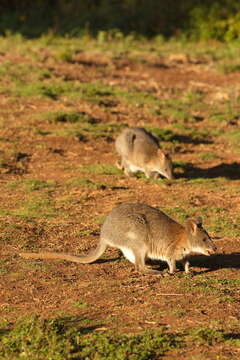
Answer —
(58, 339)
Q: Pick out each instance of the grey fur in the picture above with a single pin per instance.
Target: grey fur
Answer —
(140, 232)
(139, 151)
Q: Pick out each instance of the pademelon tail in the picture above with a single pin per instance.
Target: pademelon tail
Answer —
(91, 257)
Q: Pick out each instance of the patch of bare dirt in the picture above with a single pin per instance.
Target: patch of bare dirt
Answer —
(109, 290)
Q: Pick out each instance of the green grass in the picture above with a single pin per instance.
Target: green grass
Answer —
(158, 181)
(176, 114)
(3, 266)
(208, 156)
(233, 137)
(179, 213)
(229, 67)
(82, 182)
(27, 80)
(186, 120)
(19, 73)
(39, 207)
(81, 126)
(103, 169)
(223, 225)
(69, 116)
(85, 232)
(97, 92)
(12, 161)
(207, 335)
(224, 289)
(210, 182)
(218, 220)
(162, 134)
(52, 90)
(75, 338)
(228, 283)
(180, 312)
(81, 304)
(227, 112)
(57, 339)
(191, 133)
(35, 208)
(180, 133)
(100, 220)
(204, 288)
(32, 184)
(180, 108)
(66, 54)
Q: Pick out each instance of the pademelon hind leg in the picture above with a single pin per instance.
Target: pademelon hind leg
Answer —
(140, 265)
(126, 168)
(172, 266)
(128, 253)
(119, 164)
(185, 263)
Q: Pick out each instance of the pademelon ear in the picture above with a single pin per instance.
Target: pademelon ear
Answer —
(161, 154)
(198, 221)
(191, 226)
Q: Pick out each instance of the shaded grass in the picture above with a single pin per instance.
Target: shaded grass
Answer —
(162, 134)
(34, 338)
(66, 117)
(74, 338)
(181, 133)
(13, 161)
(207, 336)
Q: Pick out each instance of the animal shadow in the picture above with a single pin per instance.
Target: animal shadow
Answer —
(229, 171)
(188, 139)
(69, 322)
(103, 261)
(218, 261)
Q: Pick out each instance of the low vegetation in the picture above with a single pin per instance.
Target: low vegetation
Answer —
(63, 102)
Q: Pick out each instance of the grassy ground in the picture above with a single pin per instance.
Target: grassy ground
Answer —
(63, 102)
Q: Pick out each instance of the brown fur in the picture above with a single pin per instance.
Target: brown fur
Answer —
(140, 232)
(139, 151)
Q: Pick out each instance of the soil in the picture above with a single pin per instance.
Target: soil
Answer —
(109, 291)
